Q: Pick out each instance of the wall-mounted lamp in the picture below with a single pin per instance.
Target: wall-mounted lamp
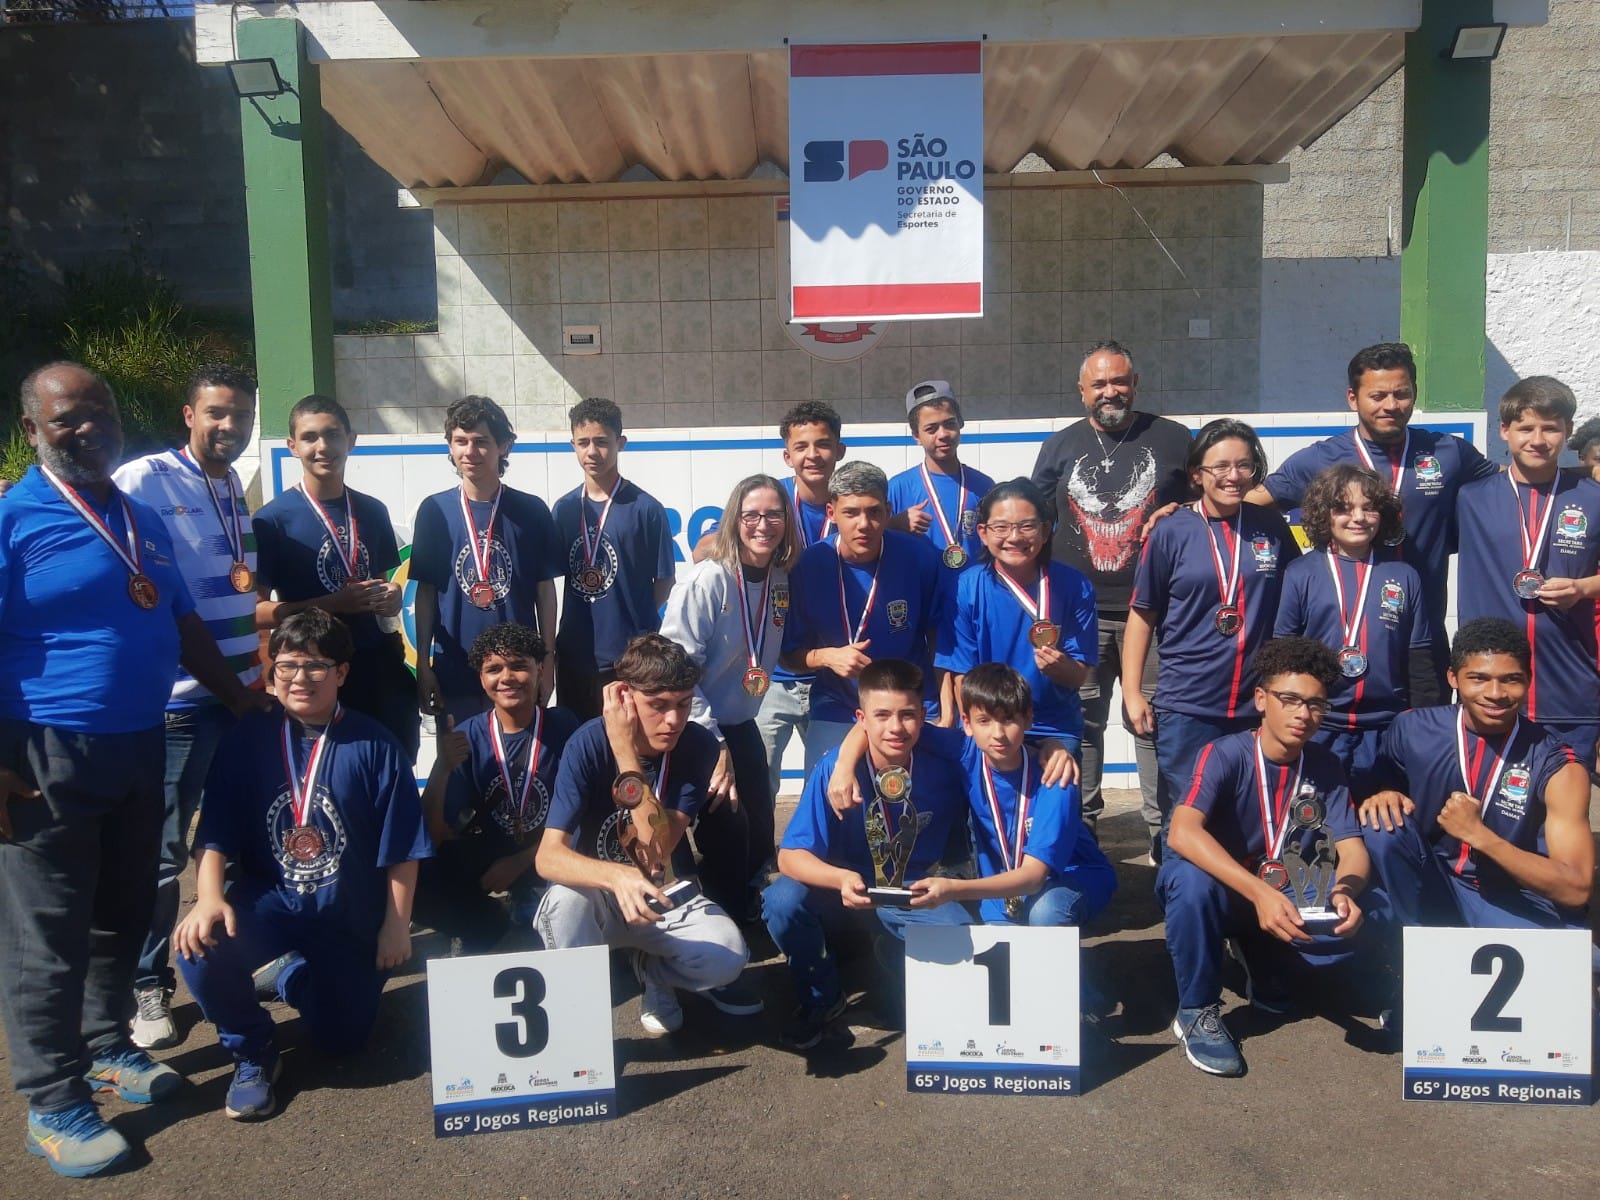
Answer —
(1476, 42)
(256, 77)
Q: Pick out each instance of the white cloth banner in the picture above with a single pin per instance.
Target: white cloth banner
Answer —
(886, 181)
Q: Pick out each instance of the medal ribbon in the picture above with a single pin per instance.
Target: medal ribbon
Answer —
(1227, 580)
(481, 560)
(1352, 627)
(1397, 471)
(1467, 777)
(130, 555)
(232, 530)
(1011, 858)
(534, 749)
(1275, 814)
(1039, 611)
(1532, 543)
(348, 554)
(755, 629)
(591, 548)
(800, 521)
(866, 610)
(303, 787)
(933, 498)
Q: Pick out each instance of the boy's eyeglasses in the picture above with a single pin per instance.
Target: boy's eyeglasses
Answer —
(315, 671)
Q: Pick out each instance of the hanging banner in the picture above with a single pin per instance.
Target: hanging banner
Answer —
(886, 181)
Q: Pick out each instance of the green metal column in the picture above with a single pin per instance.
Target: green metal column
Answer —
(1445, 246)
(285, 188)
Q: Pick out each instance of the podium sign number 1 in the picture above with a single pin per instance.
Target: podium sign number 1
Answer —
(1499, 1016)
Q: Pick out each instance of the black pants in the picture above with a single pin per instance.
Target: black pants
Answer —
(383, 687)
(450, 900)
(579, 684)
(734, 845)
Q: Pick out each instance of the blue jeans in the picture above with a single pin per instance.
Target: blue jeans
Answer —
(798, 918)
(1095, 693)
(1075, 900)
(1179, 740)
(784, 711)
(192, 737)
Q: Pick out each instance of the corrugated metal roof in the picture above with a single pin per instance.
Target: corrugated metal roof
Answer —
(1204, 101)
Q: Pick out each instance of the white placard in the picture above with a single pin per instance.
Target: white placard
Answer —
(992, 1010)
(521, 1041)
(1501, 1016)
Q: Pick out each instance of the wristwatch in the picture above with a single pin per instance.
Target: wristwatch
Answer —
(629, 789)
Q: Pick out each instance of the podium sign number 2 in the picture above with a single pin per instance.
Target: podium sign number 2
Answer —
(992, 1010)
(1497, 1016)
(520, 1041)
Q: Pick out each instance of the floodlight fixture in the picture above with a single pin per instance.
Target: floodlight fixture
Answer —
(254, 77)
(1476, 43)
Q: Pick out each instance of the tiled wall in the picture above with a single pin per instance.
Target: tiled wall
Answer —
(684, 290)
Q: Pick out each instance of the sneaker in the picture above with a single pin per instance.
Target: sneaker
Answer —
(1207, 1042)
(735, 999)
(133, 1075)
(807, 1024)
(659, 1010)
(270, 976)
(250, 1095)
(1263, 987)
(153, 1026)
(75, 1141)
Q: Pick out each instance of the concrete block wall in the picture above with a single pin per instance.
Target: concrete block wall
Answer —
(685, 289)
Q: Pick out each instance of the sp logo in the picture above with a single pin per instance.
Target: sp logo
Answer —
(826, 161)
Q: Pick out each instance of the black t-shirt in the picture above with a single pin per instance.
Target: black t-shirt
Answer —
(1104, 486)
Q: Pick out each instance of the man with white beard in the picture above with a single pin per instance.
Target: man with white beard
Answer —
(1106, 474)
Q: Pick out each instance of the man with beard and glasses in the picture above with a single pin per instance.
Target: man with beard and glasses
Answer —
(202, 504)
(1106, 474)
(94, 620)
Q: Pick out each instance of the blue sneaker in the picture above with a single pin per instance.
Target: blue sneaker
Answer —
(133, 1075)
(75, 1141)
(250, 1095)
(1207, 1042)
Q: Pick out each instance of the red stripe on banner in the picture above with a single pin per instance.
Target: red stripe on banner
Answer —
(883, 300)
(908, 58)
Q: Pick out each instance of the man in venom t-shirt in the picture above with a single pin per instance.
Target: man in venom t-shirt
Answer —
(1106, 474)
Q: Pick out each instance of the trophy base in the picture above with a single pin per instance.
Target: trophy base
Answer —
(1321, 915)
(678, 893)
(890, 897)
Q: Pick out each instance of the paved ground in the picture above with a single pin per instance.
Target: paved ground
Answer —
(718, 1111)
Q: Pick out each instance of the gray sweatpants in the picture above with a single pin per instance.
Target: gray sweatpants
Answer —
(696, 946)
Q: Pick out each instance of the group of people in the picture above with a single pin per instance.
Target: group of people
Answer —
(944, 646)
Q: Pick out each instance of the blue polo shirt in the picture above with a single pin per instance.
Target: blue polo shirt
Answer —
(1566, 684)
(1437, 466)
(990, 625)
(1227, 792)
(908, 488)
(1394, 622)
(1419, 758)
(909, 607)
(75, 651)
(635, 550)
(1203, 672)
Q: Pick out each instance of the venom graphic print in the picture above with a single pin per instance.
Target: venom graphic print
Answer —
(1110, 517)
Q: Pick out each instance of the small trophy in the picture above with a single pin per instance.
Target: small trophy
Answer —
(1311, 881)
(891, 850)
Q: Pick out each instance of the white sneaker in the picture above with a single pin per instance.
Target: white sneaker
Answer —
(153, 1026)
(659, 1010)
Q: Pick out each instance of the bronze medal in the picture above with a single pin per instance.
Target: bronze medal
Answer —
(1014, 908)
(1274, 874)
(591, 580)
(242, 578)
(482, 594)
(893, 784)
(143, 591)
(1043, 633)
(303, 843)
(629, 790)
(955, 557)
(756, 681)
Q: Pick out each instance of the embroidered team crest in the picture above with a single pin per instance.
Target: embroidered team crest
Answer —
(899, 614)
(780, 595)
(1517, 781)
(1571, 526)
(1392, 598)
(969, 521)
(1265, 551)
(1428, 471)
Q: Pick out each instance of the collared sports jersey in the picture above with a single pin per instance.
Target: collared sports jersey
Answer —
(75, 651)
(299, 561)
(1566, 682)
(635, 549)
(1394, 622)
(1436, 467)
(1420, 758)
(909, 605)
(990, 625)
(175, 486)
(1204, 672)
(365, 807)
(523, 553)
(1227, 792)
(937, 793)
(582, 805)
(909, 488)
(475, 796)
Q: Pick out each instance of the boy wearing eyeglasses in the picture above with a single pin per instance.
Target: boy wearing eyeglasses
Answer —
(316, 812)
(1259, 804)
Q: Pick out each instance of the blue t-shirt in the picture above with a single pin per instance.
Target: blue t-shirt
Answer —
(909, 607)
(365, 807)
(937, 793)
(990, 625)
(1227, 792)
(523, 553)
(1419, 757)
(582, 805)
(598, 621)
(1204, 672)
(75, 651)
(475, 796)
(1437, 466)
(1394, 622)
(1566, 683)
(298, 560)
(908, 488)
